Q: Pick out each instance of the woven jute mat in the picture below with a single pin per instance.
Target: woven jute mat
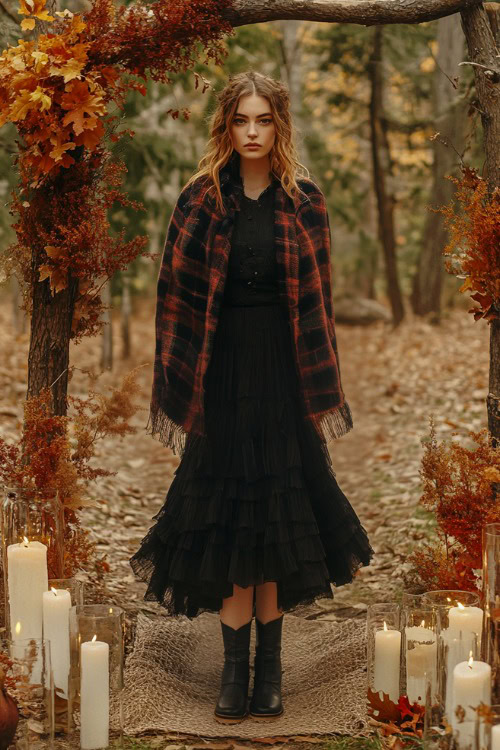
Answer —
(172, 679)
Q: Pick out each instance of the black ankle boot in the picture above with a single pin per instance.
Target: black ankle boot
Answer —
(266, 699)
(232, 702)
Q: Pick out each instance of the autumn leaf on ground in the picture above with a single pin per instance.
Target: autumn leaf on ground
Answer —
(385, 708)
(81, 102)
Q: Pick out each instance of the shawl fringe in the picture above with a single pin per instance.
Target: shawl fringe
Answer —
(335, 423)
(171, 434)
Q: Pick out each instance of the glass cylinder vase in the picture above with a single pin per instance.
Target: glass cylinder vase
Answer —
(488, 728)
(491, 603)
(33, 520)
(29, 682)
(97, 638)
(384, 650)
(419, 653)
(62, 595)
(75, 587)
(454, 647)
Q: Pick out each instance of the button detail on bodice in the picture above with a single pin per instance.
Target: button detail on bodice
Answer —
(252, 266)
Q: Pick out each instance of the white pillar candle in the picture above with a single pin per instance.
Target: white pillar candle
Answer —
(27, 579)
(495, 737)
(466, 619)
(458, 647)
(471, 686)
(94, 695)
(56, 605)
(421, 661)
(387, 662)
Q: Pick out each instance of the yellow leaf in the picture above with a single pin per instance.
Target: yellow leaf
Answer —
(40, 96)
(58, 152)
(466, 285)
(27, 24)
(44, 16)
(64, 13)
(21, 106)
(71, 69)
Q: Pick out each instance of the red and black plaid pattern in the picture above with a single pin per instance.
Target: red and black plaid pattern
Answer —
(190, 292)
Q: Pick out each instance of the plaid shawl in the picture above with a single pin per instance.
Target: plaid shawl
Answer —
(190, 291)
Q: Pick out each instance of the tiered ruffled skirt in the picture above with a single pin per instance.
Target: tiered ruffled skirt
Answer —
(256, 499)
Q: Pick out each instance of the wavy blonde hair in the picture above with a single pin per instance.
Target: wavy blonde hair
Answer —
(283, 157)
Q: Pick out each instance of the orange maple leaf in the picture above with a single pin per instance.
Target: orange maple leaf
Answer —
(60, 148)
(81, 102)
(90, 138)
(56, 276)
(35, 8)
(21, 106)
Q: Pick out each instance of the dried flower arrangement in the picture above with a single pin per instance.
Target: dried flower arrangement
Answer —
(458, 487)
(55, 453)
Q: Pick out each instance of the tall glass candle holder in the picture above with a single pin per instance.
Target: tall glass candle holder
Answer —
(384, 649)
(37, 517)
(488, 728)
(409, 600)
(419, 654)
(28, 669)
(63, 593)
(454, 647)
(491, 598)
(97, 637)
(75, 587)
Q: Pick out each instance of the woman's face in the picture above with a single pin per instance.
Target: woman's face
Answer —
(252, 123)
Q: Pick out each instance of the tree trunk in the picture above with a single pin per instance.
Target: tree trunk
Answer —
(107, 331)
(479, 34)
(450, 120)
(382, 166)
(125, 317)
(48, 357)
(292, 63)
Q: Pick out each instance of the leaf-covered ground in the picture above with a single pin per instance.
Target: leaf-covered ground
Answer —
(393, 379)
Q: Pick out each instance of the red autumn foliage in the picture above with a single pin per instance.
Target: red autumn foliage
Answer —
(58, 89)
(474, 241)
(54, 454)
(401, 718)
(458, 487)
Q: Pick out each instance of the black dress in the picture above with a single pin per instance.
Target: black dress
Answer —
(256, 499)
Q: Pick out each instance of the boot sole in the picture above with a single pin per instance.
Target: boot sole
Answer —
(265, 717)
(229, 719)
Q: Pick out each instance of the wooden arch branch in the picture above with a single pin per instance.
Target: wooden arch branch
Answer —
(364, 12)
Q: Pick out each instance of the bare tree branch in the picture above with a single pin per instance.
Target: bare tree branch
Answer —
(364, 12)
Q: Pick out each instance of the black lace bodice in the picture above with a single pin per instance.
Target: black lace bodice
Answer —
(251, 275)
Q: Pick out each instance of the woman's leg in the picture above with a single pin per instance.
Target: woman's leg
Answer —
(236, 624)
(266, 606)
(266, 698)
(237, 609)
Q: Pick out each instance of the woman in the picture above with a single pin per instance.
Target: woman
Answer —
(246, 384)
